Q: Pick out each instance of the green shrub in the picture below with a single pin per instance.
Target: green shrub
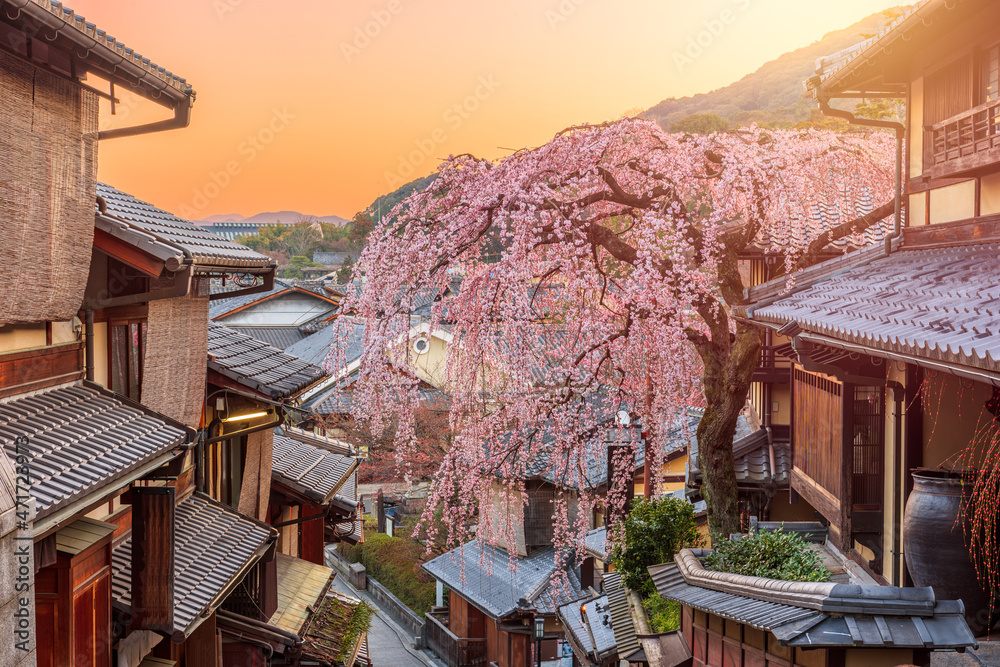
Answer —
(359, 624)
(655, 530)
(395, 562)
(664, 615)
(775, 555)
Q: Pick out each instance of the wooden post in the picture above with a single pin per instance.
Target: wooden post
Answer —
(153, 558)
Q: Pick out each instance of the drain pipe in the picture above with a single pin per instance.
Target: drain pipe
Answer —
(900, 130)
(181, 119)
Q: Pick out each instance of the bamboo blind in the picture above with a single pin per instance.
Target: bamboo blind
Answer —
(256, 489)
(48, 168)
(176, 361)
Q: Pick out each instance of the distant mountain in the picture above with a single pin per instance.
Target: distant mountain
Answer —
(287, 217)
(222, 217)
(775, 91)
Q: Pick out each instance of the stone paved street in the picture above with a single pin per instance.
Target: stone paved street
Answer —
(388, 644)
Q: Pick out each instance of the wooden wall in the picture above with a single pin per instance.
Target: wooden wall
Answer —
(817, 444)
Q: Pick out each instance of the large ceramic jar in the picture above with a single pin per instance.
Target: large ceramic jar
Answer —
(934, 543)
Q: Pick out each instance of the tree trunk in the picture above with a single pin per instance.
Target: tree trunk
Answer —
(728, 374)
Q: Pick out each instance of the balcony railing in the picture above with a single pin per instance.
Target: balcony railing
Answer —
(454, 651)
(964, 142)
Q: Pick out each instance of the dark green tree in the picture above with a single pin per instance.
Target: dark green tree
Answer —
(346, 271)
(700, 123)
(655, 530)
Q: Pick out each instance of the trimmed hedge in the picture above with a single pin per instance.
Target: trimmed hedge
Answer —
(775, 555)
(395, 562)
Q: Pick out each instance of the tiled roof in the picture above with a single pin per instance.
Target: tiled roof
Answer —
(257, 365)
(826, 216)
(213, 545)
(301, 587)
(348, 334)
(589, 627)
(482, 574)
(596, 542)
(838, 64)
(323, 638)
(277, 337)
(310, 468)
(752, 459)
(221, 307)
(940, 304)
(167, 229)
(111, 48)
(817, 614)
(621, 615)
(82, 438)
(352, 531)
(682, 435)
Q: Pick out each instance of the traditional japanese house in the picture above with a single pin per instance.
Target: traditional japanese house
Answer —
(280, 317)
(730, 619)
(492, 607)
(314, 493)
(311, 623)
(245, 389)
(178, 554)
(80, 448)
(252, 388)
(894, 346)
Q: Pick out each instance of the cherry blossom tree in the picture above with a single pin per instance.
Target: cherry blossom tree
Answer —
(602, 264)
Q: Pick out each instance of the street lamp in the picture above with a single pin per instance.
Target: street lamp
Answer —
(539, 636)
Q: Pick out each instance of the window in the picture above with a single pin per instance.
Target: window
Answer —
(989, 75)
(128, 348)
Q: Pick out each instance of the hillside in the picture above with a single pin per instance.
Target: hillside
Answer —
(774, 92)
(286, 217)
(384, 204)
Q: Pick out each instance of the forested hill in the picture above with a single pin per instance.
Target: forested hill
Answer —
(384, 204)
(774, 92)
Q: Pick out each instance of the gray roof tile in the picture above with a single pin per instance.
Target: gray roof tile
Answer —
(82, 438)
(482, 574)
(846, 618)
(277, 337)
(621, 615)
(935, 303)
(205, 247)
(591, 628)
(113, 49)
(307, 465)
(596, 542)
(213, 544)
(257, 365)
(348, 334)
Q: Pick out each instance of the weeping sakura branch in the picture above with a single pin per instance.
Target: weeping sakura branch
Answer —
(597, 273)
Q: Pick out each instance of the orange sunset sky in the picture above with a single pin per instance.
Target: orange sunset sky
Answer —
(358, 114)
